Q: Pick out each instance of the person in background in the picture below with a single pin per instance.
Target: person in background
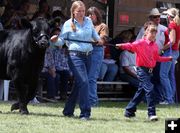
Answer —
(14, 16)
(127, 65)
(97, 53)
(43, 11)
(78, 32)
(49, 73)
(120, 38)
(62, 69)
(154, 16)
(2, 8)
(58, 19)
(146, 57)
(128, 69)
(4, 84)
(109, 68)
(60, 55)
(171, 47)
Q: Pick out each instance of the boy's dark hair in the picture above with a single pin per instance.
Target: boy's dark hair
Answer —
(146, 24)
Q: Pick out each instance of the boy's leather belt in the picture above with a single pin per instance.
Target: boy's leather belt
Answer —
(149, 70)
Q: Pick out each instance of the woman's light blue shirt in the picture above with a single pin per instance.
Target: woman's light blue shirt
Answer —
(84, 32)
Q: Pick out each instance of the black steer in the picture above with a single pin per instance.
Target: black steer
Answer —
(21, 59)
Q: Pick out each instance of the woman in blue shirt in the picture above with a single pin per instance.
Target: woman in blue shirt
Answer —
(78, 32)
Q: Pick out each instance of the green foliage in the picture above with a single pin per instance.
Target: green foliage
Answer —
(107, 118)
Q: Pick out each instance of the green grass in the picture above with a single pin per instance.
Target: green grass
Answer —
(107, 118)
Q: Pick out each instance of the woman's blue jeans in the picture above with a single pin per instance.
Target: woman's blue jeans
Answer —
(79, 65)
(64, 76)
(167, 76)
(96, 61)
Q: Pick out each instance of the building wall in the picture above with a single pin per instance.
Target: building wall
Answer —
(127, 14)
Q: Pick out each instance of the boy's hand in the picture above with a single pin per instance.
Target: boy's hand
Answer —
(170, 57)
(118, 45)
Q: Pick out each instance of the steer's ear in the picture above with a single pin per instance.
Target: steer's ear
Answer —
(26, 24)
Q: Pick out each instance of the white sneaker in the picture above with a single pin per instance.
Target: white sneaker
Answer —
(163, 103)
(153, 118)
(34, 101)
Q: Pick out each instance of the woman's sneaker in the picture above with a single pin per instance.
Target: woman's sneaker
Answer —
(163, 103)
(129, 115)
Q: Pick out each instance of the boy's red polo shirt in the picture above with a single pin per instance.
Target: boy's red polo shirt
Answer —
(146, 53)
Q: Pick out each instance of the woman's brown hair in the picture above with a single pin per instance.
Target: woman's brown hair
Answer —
(94, 10)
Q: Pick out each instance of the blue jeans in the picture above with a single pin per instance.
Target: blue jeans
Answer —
(167, 76)
(52, 84)
(128, 78)
(79, 65)
(64, 78)
(145, 88)
(158, 88)
(96, 61)
(108, 72)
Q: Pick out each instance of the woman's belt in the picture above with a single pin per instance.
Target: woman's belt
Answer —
(79, 53)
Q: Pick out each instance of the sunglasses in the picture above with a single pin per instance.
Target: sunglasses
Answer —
(155, 17)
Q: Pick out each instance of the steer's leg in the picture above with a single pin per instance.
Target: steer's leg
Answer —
(15, 106)
(32, 89)
(22, 90)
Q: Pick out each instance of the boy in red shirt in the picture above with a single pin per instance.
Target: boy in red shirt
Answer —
(146, 57)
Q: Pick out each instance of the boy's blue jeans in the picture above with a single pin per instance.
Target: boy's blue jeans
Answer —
(79, 65)
(145, 88)
(128, 78)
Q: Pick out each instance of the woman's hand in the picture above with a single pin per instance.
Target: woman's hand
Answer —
(54, 38)
(100, 42)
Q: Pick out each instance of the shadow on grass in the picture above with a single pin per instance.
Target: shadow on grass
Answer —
(47, 104)
(31, 114)
(168, 106)
(102, 104)
(120, 104)
(57, 116)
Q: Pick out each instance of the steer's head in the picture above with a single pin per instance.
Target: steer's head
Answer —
(40, 31)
